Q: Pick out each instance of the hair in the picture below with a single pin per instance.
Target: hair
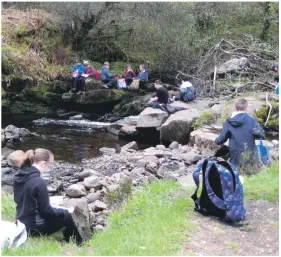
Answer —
(158, 81)
(34, 156)
(241, 104)
(15, 159)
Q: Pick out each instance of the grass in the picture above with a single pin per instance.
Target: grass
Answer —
(154, 221)
(207, 117)
(265, 185)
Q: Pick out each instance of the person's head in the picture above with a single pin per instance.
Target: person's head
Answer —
(142, 67)
(241, 104)
(16, 158)
(106, 64)
(77, 61)
(158, 83)
(129, 68)
(41, 158)
(86, 63)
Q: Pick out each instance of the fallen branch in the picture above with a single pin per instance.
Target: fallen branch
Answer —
(270, 108)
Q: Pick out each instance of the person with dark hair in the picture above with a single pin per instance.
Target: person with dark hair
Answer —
(241, 130)
(108, 77)
(33, 202)
(161, 96)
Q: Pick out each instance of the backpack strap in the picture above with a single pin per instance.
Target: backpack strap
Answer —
(213, 197)
(196, 179)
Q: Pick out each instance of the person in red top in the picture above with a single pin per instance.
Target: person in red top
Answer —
(89, 70)
(129, 75)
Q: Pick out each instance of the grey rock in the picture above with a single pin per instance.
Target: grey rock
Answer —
(56, 200)
(139, 171)
(99, 205)
(131, 145)
(5, 151)
(6, 170)
(151, 118)
(174, 145)
(4, 163)
(76, 191)
(92, 182)
(86, 173)
(151, 167)
(98, 228)
(114, 128)
(92, 197)
(93, 219)
(107, 150)
(135, 158)
(160, 147)
(81, 216)
(170, 176)
(7, 189)
(147, 159)
(112, 188)
(191, 157)
(235, 64)
(128, 131)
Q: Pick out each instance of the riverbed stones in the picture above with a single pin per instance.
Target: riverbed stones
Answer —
(12, 132)
(92, 197)
(98, 228)
(131, 145)
(86, 173)
(6, 170)
(151, 118)
(128, 131)
(76, 191)
(178, 126)
(99, 206)
(191, 157)
(92, 182)
(114, 128)
(147, 159)
(81, 216)
(138, 171)
(77, 117)
(174, 145)
(151, 167)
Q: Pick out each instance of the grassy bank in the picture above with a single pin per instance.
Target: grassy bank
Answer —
(265, 185)
(153, 222)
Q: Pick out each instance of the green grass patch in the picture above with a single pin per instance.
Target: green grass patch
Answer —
(8, 210)
(153, 222)
(265, 185)
(206, 118)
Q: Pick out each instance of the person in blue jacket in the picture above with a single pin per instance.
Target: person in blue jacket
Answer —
(241, 130)
(142, 76)
(108, 77)
(77, 81)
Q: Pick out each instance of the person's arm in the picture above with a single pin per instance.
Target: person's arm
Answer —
(154, 99)
(43, 202)
(109, 74)
(225, 135)
(257, 130)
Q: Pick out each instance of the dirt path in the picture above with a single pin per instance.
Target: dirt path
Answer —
(259, 235)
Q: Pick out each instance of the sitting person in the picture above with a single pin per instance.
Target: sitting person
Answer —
(187, 92)
(77, 80)
(240, 129)
(33, 202)
(142, 76)
(129, 75)
(161, 96)
(89, 70)
(108, 77)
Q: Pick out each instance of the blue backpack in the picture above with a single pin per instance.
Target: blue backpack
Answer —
(189, 94)
(222, 192)
(262, 152)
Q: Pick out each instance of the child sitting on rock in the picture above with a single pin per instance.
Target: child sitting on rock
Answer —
(240, 129)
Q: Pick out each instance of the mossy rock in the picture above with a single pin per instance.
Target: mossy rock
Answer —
(23, 107)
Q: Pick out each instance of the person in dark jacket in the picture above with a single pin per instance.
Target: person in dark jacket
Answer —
(241, 130)
(32, 199)
(108, 77)
(161, 97)
(129, 75)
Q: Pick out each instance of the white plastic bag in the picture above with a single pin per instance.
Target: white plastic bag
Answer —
(12, 234)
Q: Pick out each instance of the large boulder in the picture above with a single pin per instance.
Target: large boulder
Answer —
(204, 140)
(94, 97)
(80, 216)
(128, 131)
(178, 126)
(233, 65)
(151, 118)
(191, 157)
(131, 145)
(93, 84)
(133, 106)
(92, 182)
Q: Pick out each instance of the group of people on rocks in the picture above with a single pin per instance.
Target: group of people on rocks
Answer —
(81, 71)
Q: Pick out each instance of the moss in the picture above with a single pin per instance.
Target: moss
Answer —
(206, 117)
(29, 107)
(118, 94)
(262, 114)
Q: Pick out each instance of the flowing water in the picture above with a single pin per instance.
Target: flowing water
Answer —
(69, 140)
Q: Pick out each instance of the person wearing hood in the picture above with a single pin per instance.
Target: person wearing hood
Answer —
(33, 202)
(241, 130)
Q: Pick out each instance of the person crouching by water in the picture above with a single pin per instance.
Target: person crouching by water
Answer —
(108, 77)
(33, 202)
(161, 97)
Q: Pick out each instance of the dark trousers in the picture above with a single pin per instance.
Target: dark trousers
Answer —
(128, 81)
(78, 84)
(54, 225)
(110, 82)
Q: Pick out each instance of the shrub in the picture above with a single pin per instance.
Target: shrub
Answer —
(206, 118)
